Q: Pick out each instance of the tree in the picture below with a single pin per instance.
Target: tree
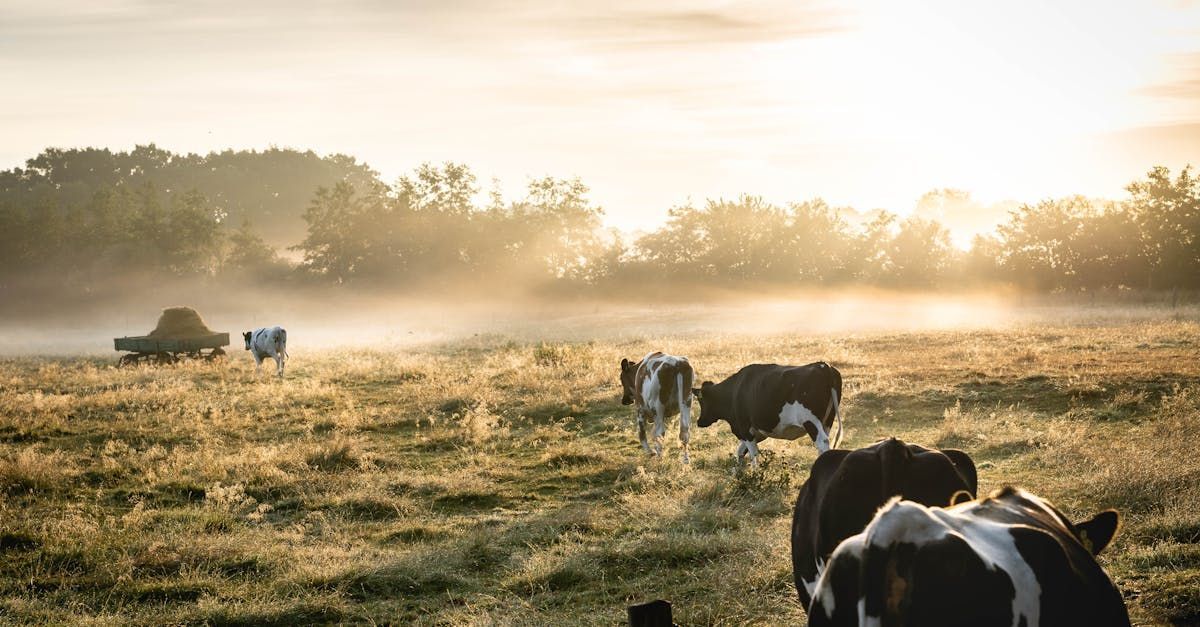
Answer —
(867, 259)
(919, 253)
(1041, 242)
(815, 243)
(192, 226)
(1109, 249)
(728, 240)
(269, 188)
(248, 255)
(981, 263)
(561, 225)
(434, 225)
(1168, 215)
(341, 233)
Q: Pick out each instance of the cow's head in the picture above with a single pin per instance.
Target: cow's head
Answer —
(708, 410)
(246, 336)
(628, 372)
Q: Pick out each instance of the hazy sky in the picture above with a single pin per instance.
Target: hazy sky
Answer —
(867, 104)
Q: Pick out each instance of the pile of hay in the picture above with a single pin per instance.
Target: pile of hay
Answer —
(180, 322)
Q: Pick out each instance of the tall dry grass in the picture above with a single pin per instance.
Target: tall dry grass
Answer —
(496, 481)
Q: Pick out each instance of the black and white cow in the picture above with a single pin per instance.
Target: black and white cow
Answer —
(845, 488)
(765, 401)
(661, 386)
(1011, 559)
(267, 342)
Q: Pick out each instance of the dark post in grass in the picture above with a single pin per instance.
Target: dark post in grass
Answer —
(652, 614)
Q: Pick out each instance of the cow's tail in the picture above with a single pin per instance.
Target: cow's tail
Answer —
(683, 381)
(666, 381)
(894, 458)
(837, 414)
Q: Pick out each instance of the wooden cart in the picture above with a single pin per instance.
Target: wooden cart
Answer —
(146, 349)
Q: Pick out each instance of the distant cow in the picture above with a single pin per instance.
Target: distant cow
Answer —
(1009, 559)
(660, 385)
(770, 401)
(267, 342)
(845, 488)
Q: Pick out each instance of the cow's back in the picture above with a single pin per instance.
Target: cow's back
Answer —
(761, 390)
(269, 341)
(988, 562)
(846, 488)
(660, 375)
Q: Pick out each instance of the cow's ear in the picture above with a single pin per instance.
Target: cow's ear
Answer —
(1096, 532)
(965, 467)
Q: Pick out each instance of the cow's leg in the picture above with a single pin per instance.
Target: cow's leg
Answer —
(279, 365)
(257, 362)
(748, 448)
(660, 428)
(641, 419)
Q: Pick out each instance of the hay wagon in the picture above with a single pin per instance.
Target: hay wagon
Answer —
(147, 349)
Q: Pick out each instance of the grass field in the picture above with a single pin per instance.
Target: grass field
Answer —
(492, 480)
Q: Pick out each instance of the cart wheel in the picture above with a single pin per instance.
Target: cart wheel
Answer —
(166, 358)
(215, 354)
(128, 359)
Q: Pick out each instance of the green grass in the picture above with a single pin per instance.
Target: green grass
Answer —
(500, 481)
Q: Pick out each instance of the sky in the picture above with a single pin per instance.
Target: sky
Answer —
(868, 104)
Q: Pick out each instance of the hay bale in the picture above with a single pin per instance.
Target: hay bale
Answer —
(179, 323)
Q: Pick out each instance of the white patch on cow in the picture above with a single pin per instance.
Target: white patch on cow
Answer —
(863, 619)
(822, 592)
(811, 586)
(791, 425)
(908, 522)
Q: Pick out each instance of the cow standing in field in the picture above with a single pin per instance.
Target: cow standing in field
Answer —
(660, 385)
(765, 401)
(267, 342)
(845, 488)
(1009, 559)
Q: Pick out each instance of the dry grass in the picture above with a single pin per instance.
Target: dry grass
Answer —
(497, 481)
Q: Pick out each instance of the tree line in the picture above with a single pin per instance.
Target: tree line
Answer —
(84, 216)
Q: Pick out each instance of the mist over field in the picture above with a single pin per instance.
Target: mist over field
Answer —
(346, 320)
